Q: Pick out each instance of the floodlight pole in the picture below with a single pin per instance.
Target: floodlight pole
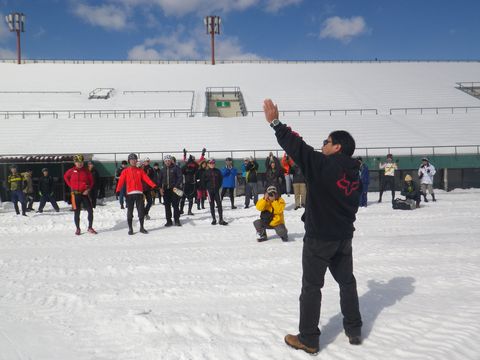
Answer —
(16, 23)
(212, 24)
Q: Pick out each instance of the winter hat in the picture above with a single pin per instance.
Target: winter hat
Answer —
(425, 159)
(146, 159)
(211, 161)
(408, 178)
(78, 158)
(132, 156)
(228, 159)
(167, 157)
(271, 189)
(246, 159)
(44, 169)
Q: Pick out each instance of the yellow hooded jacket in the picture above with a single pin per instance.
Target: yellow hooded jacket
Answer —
(277, 205)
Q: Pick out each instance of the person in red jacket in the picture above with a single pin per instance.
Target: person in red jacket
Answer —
(80, 181)
(134, 178)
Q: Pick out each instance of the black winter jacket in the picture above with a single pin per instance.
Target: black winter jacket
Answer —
(171, 177)
(45, 185)
(333, 185)
(212, 179)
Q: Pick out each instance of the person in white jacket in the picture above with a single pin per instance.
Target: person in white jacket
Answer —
(426, 172)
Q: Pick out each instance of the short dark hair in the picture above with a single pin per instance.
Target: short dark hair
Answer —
(346, 140)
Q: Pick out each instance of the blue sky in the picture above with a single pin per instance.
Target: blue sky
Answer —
(251, 29)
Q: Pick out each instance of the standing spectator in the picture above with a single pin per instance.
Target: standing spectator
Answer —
(46, 191)
(426, 172)
(287, 162)
(80, 182)
(96, 183)
(271, 208)
(410, 191)
(333, 198)
(229, 174)
(135, 180)
(201, 189)
(365, 180)
(147, 191)
(213, 181)
(122, 192)
(274, 176)
(156, 180)
(272, 158)
(299, 186)
(28, 190)
(388, 178)
(15, 185)
(251, 185)
(189, 171)
(171, 184)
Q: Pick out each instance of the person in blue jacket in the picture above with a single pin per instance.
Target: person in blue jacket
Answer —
(365, 180)
(229, 174)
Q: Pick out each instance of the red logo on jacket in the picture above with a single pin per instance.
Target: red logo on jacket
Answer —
(348, 186)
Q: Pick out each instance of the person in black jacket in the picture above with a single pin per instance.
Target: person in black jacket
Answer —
(332, 201)
(410, 190)
(96, 184)
(189, 171)
(200, 184)
(123, 192)
(251, 186)
(46, 191)
(171, 184)
(212, 177)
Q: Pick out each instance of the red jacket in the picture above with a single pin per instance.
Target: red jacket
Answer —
(79, 179)
(133, 177)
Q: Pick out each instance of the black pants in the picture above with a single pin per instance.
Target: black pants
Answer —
(318, 255)
(133, 200)
(387, 182)
(214, 197)
(171, 200)
(189, 193)
(230, 194)
(43, 201)
(82, 201)
(30, 198)
(93, 197)
(149, 199)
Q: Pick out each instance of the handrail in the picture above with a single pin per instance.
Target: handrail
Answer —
(90, 113)
(314, 112)
(474, 84)
(41, 92)
(406, 110)
(387, 149)
(208, 62)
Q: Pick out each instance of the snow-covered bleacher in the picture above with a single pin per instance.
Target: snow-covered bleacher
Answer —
(362, 95)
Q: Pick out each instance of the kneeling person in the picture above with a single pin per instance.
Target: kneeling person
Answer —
(271, 216)
(134, 177)
(410, 191)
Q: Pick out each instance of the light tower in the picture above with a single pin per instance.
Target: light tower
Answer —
(16, 22)
(212, 24)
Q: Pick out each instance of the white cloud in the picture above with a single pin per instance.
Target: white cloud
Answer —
(194, 45)
(109, 17)
(276, 5)
(7, 54)
(343, 29)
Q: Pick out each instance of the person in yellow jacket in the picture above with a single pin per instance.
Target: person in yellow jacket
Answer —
(271, 208)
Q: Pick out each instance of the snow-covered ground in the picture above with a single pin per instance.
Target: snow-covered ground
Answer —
(212, 292)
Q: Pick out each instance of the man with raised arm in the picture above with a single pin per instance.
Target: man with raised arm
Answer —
(332, 201)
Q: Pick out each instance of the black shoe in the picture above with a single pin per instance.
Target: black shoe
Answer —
(354, 340)
(285, 239)
(190, 213)
(177, 223)
(198, 206)
(143, 231)
(379, 200)
(296, 207)
(169, 223)
(147, 217)
(130, 232)
(122, 207)
(181, 212)
(214, 222)
(234, 207)
(39, 211)
(223, 222)
(262, 238)
(246, 207)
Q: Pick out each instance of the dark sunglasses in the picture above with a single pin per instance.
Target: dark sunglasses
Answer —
(326, 141)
